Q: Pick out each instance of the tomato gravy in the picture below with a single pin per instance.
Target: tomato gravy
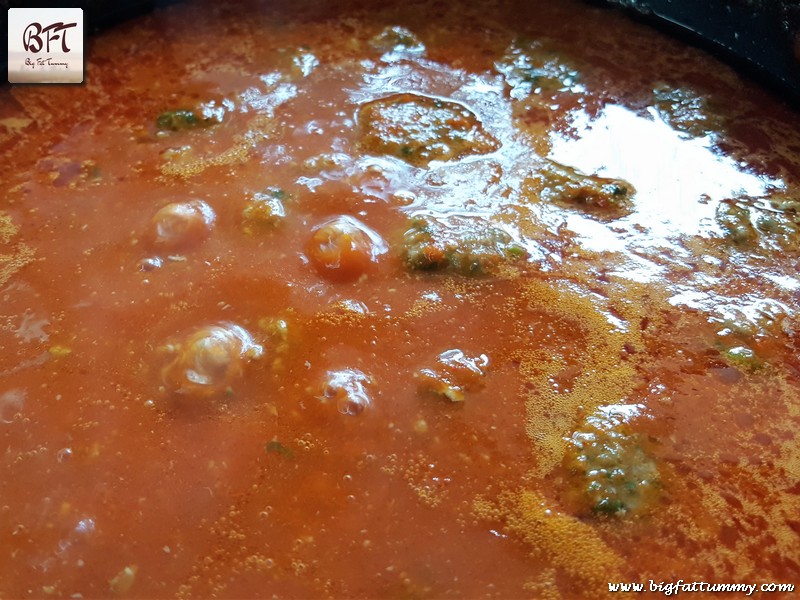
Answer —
(400, 300)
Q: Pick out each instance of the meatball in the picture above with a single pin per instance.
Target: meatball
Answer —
(465, 245)
(560, 184)
(686, 111)
(747, 335)
(534, 69)
(182, 224)
(264, 211)
(419, 129)
(343, 248)
(734, 220)
(204, 114)
(177, 120)
(397, 41)
(454, 374)
(773, 223)
(348, 388)
(614, 473)
(210, 360)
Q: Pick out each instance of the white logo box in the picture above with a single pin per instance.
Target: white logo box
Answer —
(45, 45)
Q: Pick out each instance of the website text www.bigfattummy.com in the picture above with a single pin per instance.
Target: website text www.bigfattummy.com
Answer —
(670, 588)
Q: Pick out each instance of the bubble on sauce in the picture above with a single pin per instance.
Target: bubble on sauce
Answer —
(453, 374)
(146, 265)
(353, 306)
(349, 389)
(85, 526)
(343, 248)
(75, 539)
(11, 404)
(427, 480)
(210, 360)
(182, 224)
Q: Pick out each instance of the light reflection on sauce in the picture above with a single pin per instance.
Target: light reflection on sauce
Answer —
(669, 172)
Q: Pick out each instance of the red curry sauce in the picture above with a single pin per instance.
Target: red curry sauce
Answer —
(414, 301)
